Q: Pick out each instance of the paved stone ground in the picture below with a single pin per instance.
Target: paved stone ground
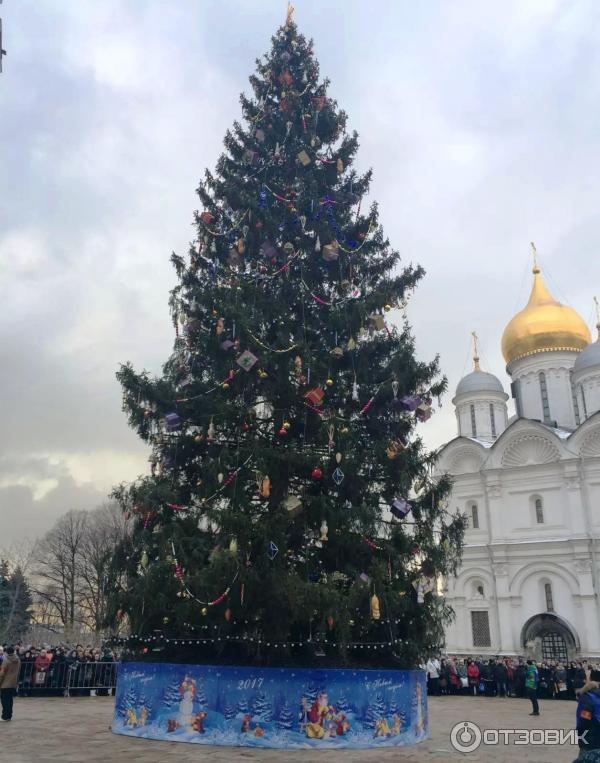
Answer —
(76, 730)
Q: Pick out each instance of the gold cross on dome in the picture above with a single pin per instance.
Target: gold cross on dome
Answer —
(475, 350)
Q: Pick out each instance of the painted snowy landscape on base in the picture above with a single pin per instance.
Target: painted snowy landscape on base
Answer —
(271, 707)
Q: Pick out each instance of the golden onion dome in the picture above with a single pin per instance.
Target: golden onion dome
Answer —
(543, 325)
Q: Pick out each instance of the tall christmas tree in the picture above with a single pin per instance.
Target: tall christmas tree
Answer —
(290, 514)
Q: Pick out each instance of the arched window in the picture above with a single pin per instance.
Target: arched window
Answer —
(544, 394)
(473, 422)
(493, 420)
(575, 402)
(585, 413)
(548, 596)
(474, 516)
(539, 511)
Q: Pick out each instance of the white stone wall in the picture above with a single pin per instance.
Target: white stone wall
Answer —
(481, 402)
(557, 368)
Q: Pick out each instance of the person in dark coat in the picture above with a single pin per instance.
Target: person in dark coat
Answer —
(501, 679)
(520, 673)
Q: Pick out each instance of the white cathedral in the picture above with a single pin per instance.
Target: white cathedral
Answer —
(530, 487)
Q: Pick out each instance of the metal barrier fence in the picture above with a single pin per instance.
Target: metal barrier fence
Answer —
(68, 679)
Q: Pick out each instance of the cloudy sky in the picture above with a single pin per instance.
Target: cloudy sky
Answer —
(481, 121)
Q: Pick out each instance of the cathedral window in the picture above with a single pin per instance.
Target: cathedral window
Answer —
(473, 422)
(545, 403)
(516, 393)
(585, 413)
(474, 517)
(548, 595)
(493, 420)
(480, 628)
(575, 402)
(539, 511)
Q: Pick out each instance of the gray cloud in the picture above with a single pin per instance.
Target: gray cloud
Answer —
(479, 119)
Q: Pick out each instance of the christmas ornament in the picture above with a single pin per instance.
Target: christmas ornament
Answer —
(204, 611)
(144, 560)
(377, 322)
(172, 422)
(165, 620)
(265, 487)
(211, 430)
(207, 218)
(272, 551)
(233, 546)
(250, 158)
(316, 473)
(387, 308)
(351, 345)
(227, 345)
(375, 612)
(315, 396)
(338, 476)
(267, 250)
(400, 507)
(298, 365)
(337, 353)
(423, 411)
(338, 458)
(227, 614)
(394, 447)
(339, 166)
(410, 402)
(330, 251)
(220, 326)
(293, 505)
(283, 432)
(247, 360)
(303, 158)
(286, 425)
(220, 477)
(262, 374)
(329, 382)
(330, 622)
(324, 529)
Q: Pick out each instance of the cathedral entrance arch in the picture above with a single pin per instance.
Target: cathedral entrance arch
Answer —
(548, 637)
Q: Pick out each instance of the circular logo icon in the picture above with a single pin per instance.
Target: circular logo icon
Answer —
(465, 736)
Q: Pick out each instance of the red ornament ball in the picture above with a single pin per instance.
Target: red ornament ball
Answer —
(317, 473)
(283, 432)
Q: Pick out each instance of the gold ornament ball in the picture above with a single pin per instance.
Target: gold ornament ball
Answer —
(165, 620)
(204, 611)
(387, 308)
(350, 622)
(198, 438)
(225, 385)
(344, 430)
(286, 425)
(329, 382)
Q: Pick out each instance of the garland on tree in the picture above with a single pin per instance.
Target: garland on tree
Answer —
(290, 504)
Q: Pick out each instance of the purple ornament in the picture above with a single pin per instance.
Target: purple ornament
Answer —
(172, 421)
(410, 402)
(400, 507)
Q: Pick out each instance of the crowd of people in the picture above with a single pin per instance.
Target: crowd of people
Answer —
(507, 677)
(76, 670)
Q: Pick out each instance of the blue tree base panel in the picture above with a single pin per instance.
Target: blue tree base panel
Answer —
(287, 708)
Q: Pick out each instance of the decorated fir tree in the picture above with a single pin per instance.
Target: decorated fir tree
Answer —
(290, 514)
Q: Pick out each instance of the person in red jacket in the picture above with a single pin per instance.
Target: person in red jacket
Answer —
(41, 665)
(473, 676)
